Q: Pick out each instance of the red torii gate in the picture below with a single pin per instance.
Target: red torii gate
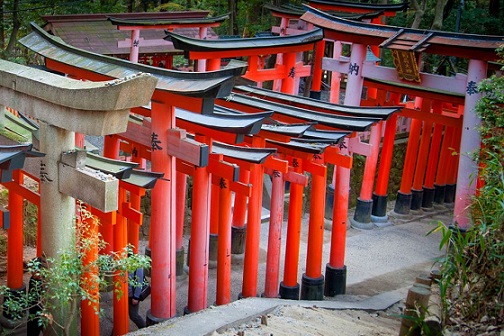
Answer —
(255, 49)
(195, 93)
(409, 42)
(138, 24)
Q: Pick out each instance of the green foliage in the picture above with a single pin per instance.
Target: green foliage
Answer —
(70, 278)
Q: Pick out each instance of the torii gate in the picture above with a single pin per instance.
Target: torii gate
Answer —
(190, 91)
(137, 25)
(255, 49)
(101, 108)
(406, 43)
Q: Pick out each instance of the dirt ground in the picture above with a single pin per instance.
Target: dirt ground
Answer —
(301, 321)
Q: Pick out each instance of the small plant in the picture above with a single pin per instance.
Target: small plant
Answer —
(70, 279)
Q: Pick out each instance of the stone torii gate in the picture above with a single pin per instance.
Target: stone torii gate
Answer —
(64, 106)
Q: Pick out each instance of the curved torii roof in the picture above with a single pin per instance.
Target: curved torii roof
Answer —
(263, 43)
(357, 7)
(214, 83)
(295, 12)
(481, 47)
(168, 22)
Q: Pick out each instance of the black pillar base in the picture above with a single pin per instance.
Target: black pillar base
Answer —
(416, 199)
(312, 289)
(439, 193)
(148, 253)
(151, 320)
(288, 293)
(315, 94)
(379, 205)
(179, 268)
(363, 211)
(450, 190)
(212, 253)
(428, 197)
(238, 239)
(403, 203)
(335, 283)
(15, 294)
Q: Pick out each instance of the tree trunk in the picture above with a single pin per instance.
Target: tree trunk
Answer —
(2, 29)
(16, 24)
(233, 13)
(419, 12)
(437, 23)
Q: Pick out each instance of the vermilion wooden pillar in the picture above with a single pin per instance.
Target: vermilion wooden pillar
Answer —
(289, 287)
(403, 201)
(379, 210)
(214, 225)
(200, 230)
(470, 142)
(163, 273)
(423, 153)
(251, 260)
(317, 70)
(121, 319)
(336, 271)
(180, 217)
(135, 200)
(224, 244)
(275, 235)
(288, 82)
(433, 160)
(362, 215)
(15, 237)
(90, 319)
(238, 228)
(334, 95)
(312, 283)
(451, 179)
(444, 157)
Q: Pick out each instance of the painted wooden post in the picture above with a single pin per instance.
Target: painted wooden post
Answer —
(90, 319)
(317, 70)
(444, 157)
(238, 227)
(423, 153)
(135, 200)
(135, 45)
(433, 160)
(251, 260)
(451, 179)
(470, 142)
(312, 282)
(180, 218)
(362, 216)
(121, 319)
(200, 230)
(334, 95)
(15, 238)
(224, 244)
(289, 287)
(163, 279)
(336, 271)
(274, 236)
(214, 225)
(288, 81)
(403, 201)
(379, 210)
